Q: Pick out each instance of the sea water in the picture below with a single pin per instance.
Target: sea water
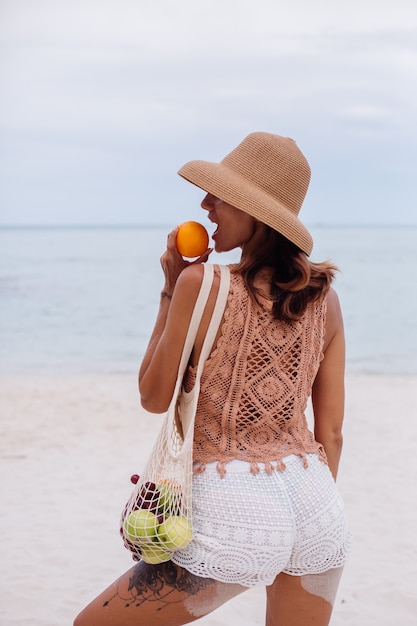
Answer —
(85, 299)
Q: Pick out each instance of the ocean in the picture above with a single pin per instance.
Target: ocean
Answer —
(85, 299)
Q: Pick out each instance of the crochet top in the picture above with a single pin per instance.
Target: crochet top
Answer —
(255, 386)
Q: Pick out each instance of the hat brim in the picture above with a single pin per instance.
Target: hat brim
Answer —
(224, 183)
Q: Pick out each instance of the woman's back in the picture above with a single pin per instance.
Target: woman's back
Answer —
(256, 383)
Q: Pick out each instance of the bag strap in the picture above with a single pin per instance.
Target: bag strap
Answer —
(193, 326)
(191, 398)
(197, 314)
(215, 318)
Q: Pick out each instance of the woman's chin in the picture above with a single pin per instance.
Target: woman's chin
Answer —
(219, 248)
(223, 246)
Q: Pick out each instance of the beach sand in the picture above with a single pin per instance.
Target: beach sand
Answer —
(69, 445)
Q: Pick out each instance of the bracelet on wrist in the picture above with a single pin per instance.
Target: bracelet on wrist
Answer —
(165, 294)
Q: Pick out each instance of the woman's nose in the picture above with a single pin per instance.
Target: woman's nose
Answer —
(207, 202)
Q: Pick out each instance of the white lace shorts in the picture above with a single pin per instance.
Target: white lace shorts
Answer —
(248, 528)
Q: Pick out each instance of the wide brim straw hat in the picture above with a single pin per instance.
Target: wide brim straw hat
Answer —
(266, 176)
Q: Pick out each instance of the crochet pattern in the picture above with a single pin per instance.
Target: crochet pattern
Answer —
(250, 527)
(255, 385)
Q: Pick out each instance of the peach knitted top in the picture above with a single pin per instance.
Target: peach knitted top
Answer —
(255, 386)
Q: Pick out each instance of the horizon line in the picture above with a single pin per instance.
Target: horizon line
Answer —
(133, 225)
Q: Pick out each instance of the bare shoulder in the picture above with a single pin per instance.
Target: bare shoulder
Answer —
(186, 292)
(334, 318)
(333, 303)
(189, 283)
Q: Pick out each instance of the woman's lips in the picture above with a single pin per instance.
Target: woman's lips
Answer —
(214, 224)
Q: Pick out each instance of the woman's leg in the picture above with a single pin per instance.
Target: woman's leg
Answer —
(302, 600)
(156, 595)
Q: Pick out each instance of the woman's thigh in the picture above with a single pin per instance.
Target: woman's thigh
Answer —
(302, 600)
(156, 595)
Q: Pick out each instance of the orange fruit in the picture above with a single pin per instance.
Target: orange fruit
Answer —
(192, 239)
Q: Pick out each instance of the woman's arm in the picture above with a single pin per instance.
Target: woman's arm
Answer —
(159, 367)
(328, 394)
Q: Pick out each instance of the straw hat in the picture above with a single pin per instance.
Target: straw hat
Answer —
(266, 176)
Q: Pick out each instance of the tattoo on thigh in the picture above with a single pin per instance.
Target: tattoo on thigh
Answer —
(158, 583)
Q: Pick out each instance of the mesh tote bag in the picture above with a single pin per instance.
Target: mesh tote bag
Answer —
(157, 518)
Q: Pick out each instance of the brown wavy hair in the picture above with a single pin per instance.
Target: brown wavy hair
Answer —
(295, 280)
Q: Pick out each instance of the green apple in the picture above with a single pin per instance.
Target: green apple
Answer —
(154, 553)
(169, 496)
(175, 532)
(140, 524)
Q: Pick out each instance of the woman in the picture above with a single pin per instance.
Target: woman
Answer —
(265, 507)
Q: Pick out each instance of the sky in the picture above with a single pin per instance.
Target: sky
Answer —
(101, 102)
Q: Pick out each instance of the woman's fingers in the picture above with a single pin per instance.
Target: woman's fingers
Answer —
(204, 257)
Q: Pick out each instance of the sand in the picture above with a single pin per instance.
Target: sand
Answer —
(69, 445)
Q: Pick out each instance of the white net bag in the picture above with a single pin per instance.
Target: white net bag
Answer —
(157, 519)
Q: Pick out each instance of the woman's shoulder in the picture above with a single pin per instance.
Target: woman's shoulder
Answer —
(190, 278)
(333, 302)
(334, 318)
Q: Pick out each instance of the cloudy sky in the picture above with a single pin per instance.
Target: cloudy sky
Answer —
(103, 100)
